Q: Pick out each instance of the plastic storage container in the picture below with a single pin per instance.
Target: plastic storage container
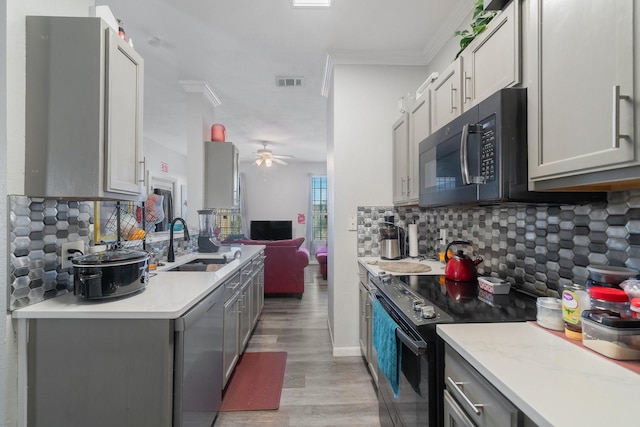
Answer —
(605, 332)
(549, 314)
(575, 299)
(635, 308)
(610, 299)
(494, 285)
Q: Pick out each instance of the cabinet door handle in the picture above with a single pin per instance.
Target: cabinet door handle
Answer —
(451, 99)
(476, 408)
(142, 174)
(408, 186)
(616, 116)
(465, 88)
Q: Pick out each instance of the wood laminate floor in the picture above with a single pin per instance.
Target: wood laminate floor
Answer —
(319, 389)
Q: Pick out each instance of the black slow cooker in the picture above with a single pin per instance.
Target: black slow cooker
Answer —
(110, 274)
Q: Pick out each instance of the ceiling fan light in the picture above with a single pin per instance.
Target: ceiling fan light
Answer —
(258, 162)
(268, 163)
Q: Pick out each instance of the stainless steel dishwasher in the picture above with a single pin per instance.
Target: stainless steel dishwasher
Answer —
(198, 363)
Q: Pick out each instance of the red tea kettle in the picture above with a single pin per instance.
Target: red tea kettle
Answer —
(460, 267)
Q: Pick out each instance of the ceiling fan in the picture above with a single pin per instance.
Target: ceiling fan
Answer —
(266, 157)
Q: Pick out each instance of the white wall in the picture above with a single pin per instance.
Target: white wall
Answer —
(4, 319)
(156, 154)
(279, 192)
(365, 106)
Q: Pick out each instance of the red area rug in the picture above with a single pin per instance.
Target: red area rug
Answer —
(256, 384)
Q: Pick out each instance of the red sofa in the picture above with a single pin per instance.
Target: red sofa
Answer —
(321, 256)
(284, 265)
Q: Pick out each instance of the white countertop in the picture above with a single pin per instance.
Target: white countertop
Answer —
(554, 382)
(437, 268)
(168, 295)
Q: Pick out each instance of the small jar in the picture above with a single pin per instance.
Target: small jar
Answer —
(549, 314)
(635, 308)
(610, 299)
(575, 299)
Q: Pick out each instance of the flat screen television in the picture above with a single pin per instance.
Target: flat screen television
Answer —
(271, 230)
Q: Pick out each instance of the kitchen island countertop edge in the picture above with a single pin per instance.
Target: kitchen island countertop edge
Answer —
(554, 382)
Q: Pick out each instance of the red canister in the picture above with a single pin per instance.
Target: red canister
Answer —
(218, 133)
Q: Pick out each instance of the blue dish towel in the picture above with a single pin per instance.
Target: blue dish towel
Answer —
(386, 345)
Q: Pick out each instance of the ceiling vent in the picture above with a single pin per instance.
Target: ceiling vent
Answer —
(283, 81)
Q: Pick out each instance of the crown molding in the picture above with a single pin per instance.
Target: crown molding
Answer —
(344, 57)
(198, 86)
(446, 30)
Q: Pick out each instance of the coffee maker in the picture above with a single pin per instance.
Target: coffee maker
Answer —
(391, 239)
(207, 237)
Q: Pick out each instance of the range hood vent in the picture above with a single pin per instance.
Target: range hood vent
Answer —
(289, 81)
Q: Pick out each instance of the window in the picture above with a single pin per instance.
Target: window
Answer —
(319, 207)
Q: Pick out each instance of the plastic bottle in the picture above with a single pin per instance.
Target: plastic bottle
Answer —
(575, 299)
(121, 32)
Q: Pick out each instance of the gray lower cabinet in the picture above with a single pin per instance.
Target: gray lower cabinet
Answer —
(367, 296)
(244, 301)
(100, 372)
(230, 336)
(246, 317)
(471, 400)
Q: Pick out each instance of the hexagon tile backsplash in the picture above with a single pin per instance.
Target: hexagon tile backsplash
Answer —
(537, 248)
(37, 229)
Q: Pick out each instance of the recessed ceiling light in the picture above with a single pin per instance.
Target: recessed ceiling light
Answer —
(312, 3)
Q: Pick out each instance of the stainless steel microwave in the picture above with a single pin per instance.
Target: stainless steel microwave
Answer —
(480, 157)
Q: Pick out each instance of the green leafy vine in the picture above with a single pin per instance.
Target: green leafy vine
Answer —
(478, 24)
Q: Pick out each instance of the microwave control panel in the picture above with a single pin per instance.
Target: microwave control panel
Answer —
(488, 150)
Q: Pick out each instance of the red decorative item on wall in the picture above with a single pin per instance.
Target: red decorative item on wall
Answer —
(218, 133)
(301, 218)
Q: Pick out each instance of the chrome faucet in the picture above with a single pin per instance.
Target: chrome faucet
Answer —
(171, 257)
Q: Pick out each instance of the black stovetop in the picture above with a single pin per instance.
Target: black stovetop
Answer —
(454, 302)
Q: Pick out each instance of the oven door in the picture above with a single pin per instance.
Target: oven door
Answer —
(416, 401)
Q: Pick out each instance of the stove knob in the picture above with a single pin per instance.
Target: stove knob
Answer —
(428, 312)
(418, 304)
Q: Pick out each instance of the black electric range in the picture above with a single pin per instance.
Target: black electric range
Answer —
(452, 302)
(417, 304)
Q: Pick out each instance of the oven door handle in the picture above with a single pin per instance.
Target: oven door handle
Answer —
(416, 347)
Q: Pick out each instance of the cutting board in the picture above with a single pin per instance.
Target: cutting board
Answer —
(402, 267)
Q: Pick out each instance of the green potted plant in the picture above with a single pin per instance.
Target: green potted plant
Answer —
(478, 24)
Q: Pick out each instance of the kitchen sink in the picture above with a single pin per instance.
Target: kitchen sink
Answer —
(202, 264)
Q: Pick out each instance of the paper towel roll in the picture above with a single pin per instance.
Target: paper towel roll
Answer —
(413, 240)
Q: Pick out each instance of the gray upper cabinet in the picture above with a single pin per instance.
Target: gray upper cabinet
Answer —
(446, 95)
(84, 91)
(492, 60)
(222, 183)
(583, 112)
(400, 141)
(419, 129)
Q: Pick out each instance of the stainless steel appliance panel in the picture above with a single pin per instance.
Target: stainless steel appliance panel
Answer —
(417, 399)
(198, 363)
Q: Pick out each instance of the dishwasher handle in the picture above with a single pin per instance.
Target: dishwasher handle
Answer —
(199, 310)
